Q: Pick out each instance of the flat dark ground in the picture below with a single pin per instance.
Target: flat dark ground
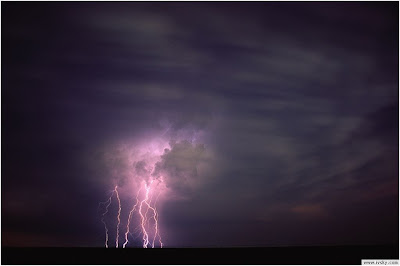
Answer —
(232, 256)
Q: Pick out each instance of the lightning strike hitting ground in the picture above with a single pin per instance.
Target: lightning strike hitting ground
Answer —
(130, 218)
(118, 216)
(142, 206)
(156, 224)
(143, 220)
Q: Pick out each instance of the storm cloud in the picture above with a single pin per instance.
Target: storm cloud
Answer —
(179, 166)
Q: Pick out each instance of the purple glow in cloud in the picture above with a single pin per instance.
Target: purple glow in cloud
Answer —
(148, 172)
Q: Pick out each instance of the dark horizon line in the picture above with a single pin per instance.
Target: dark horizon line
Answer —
(349, 255)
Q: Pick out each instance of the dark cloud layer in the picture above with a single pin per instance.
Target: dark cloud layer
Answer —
(178, 166)
(299, 103)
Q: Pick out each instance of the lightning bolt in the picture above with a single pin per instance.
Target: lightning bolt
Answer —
(143, 218)
(130, 217)
(156, 221)
(118, 216)
(148, 204)
(142, 206)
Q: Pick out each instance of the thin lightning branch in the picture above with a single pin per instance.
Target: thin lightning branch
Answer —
(135, 231)
(102, 218)
(137, 228)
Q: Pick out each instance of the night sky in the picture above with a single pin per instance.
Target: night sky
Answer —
(294, 104)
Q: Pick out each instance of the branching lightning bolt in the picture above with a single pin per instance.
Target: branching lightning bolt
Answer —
(129, 219)
(118, 216)
(142, 206)
(156, 225)
(143, 217)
